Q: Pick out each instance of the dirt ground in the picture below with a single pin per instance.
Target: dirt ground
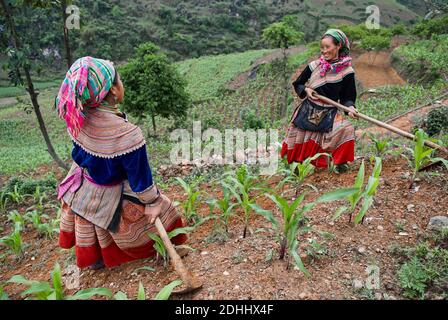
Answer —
(237, 268)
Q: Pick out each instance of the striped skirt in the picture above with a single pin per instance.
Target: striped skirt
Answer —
(130, 242)
(339, 143)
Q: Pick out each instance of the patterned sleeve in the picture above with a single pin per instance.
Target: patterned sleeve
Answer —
(299, 83)
(139, 175)
(348, 90)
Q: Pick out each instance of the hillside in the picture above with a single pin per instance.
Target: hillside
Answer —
(189, 29)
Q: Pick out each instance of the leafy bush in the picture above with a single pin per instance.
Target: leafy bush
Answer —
(436, 122)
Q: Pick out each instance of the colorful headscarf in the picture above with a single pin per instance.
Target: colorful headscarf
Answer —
(86, 84)
(344, 54)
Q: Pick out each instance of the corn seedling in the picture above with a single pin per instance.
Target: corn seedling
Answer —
(15, 195)
(42, 290)
(15, 217)
(359, 193)
(47, 229)
(159, 246)
(191, 204)
(244, 200)
(421, 154)
(3, 201)
(225, 207)
(292, 218)
(381, 145)
(298, 172)
(14, 240)
(39, 199)
(166, 291)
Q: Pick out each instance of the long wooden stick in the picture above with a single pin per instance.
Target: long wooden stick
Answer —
(381, 124)
(189, 280)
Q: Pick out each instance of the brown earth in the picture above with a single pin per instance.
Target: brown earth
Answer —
(345, 259)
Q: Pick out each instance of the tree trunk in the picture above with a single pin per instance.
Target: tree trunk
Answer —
(33, 94)
(68, 53)
(285, 84)
(153, 117)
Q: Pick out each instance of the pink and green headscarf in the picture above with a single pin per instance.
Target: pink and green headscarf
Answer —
(86, 85)
(344, 54)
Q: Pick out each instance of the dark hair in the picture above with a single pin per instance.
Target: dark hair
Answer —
(116, 77)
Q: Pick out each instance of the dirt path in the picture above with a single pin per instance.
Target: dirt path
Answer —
(375, 70)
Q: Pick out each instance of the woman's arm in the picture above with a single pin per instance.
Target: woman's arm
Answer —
(348, 91)
(139, 175)
(299, 83)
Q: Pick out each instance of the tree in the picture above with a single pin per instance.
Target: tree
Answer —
(281, 35)
(18, 62)
(375, 43)
(153, 86)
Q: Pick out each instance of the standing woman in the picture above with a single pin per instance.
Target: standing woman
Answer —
(317, 127)
(109, 200)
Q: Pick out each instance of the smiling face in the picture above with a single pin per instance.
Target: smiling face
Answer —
(329, 49)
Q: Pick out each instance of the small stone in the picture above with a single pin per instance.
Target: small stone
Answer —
(33, 258)
(438, 223)
(303, 295)
(381, 228)
(414, 226)
(357, 284)
(378, 296)
(403, 234)
(361, 250)
(204, 253)
(226, 273)
(410, 207)
(236, 287)
(331, 223)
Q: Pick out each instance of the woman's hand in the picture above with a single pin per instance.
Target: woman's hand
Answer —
(310, 92)
(154, 209)
(353, 113)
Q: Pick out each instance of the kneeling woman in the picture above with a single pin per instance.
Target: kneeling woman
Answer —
(109, 200)
(317, 127)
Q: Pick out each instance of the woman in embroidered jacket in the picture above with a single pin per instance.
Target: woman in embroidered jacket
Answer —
(109, 200)
(331, 76)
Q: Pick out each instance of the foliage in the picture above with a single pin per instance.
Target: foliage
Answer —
(436, 121)
(297, 172)
(423, 271)
(360, 193)
(381, 145)
(14, 240)
(44, 228)
(42, 290)
(190, 205)
(243, 182)
(293, 220)
(153, 86)
(159, 246)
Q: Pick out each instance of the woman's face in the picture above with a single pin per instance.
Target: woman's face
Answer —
(328, 49)
(118, 89)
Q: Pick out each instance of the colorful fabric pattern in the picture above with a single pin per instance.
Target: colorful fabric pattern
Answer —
(86, 84)
(343, 61)
(107, 135)
(129, 243)
(299, 144)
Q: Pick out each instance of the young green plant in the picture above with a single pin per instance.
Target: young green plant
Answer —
(191, 204)
(42, 290)
(359, 193)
